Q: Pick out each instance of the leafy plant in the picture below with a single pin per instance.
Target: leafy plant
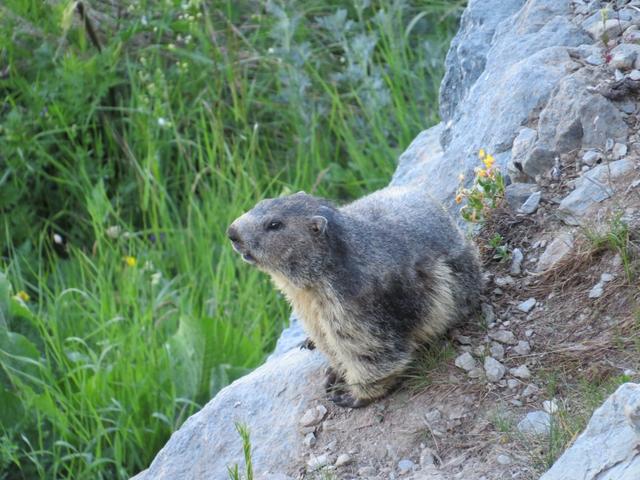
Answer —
(486, 191)
(500, 249)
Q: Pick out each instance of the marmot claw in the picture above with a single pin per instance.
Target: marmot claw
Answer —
(307, 344)
(348, 401)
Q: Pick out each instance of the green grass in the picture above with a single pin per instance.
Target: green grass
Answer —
(148, 149)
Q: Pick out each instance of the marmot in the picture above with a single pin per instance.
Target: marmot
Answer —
(371, 281)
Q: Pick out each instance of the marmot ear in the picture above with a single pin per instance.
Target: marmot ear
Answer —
(319, 224)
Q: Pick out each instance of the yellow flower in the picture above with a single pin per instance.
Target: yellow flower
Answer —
(481, 154)
(458, 198)
(481, 173)
(24, 296)
(489, 161)
(130, 261)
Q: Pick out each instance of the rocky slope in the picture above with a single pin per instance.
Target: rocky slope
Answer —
(550, 88)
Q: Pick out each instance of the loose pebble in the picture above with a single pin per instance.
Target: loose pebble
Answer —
(493, 369)
(318, 462)
(503, 336)
(527, 305)
(521, 372)
(343, 459)
(465, 362)
(405, 466)
(523, 348)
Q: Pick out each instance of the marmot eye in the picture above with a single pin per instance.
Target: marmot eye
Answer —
(274, 225)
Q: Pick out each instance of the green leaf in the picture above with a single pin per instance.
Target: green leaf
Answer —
(19, 357)
(5, 295)
(12, 410)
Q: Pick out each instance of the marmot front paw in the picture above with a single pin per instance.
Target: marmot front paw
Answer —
(348, 401)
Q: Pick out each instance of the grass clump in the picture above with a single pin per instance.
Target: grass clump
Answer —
(125, 155)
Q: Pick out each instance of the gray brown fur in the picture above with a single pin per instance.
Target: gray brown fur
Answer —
(372, 281)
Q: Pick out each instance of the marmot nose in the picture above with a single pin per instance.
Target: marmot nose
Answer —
(232, 233)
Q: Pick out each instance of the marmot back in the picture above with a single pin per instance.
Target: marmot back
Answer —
(372, 281)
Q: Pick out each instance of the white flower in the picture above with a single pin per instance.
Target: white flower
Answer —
(144, 20)
(163, 122)
(114, 231)
(58, 239)
(155, 278)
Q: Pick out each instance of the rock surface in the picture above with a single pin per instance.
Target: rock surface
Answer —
(595, 186)
(521, 82)
(608, 448)
(256, 400)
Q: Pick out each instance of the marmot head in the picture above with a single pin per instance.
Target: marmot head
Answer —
(287, 236)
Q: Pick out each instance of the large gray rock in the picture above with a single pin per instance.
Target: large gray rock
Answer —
(467, 54)
(490, 90)
(270, 401)
(608, 448)
(573, 118)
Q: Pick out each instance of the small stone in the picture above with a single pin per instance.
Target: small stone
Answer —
(517, 193)
(521, 372)
(558, 249)
(516, 261)
(367, 472)
(598, 28)
(591, 157)
(503, 459)
(331, 446)
(405, 466)
(594, 59)
(624, 56)
(512, 383)
(523, 348)
(497, 351)
(465, 362)
(634, 75)
(530, 390)
(315, 463)
(493, 369)
(427, 457)
(606, 277)
(343, 459)
(433, 416)
(528, 333)
(531, 204)
(309, 440)
(463, 339)
(596, 291)
(618, 75)
(503, 336)
(504, 281)
(619, 151)
(313, 416)
(550, 406)
(475, 373)
(487, 313)
(527, 305)
(535, 423)
(608, 146)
